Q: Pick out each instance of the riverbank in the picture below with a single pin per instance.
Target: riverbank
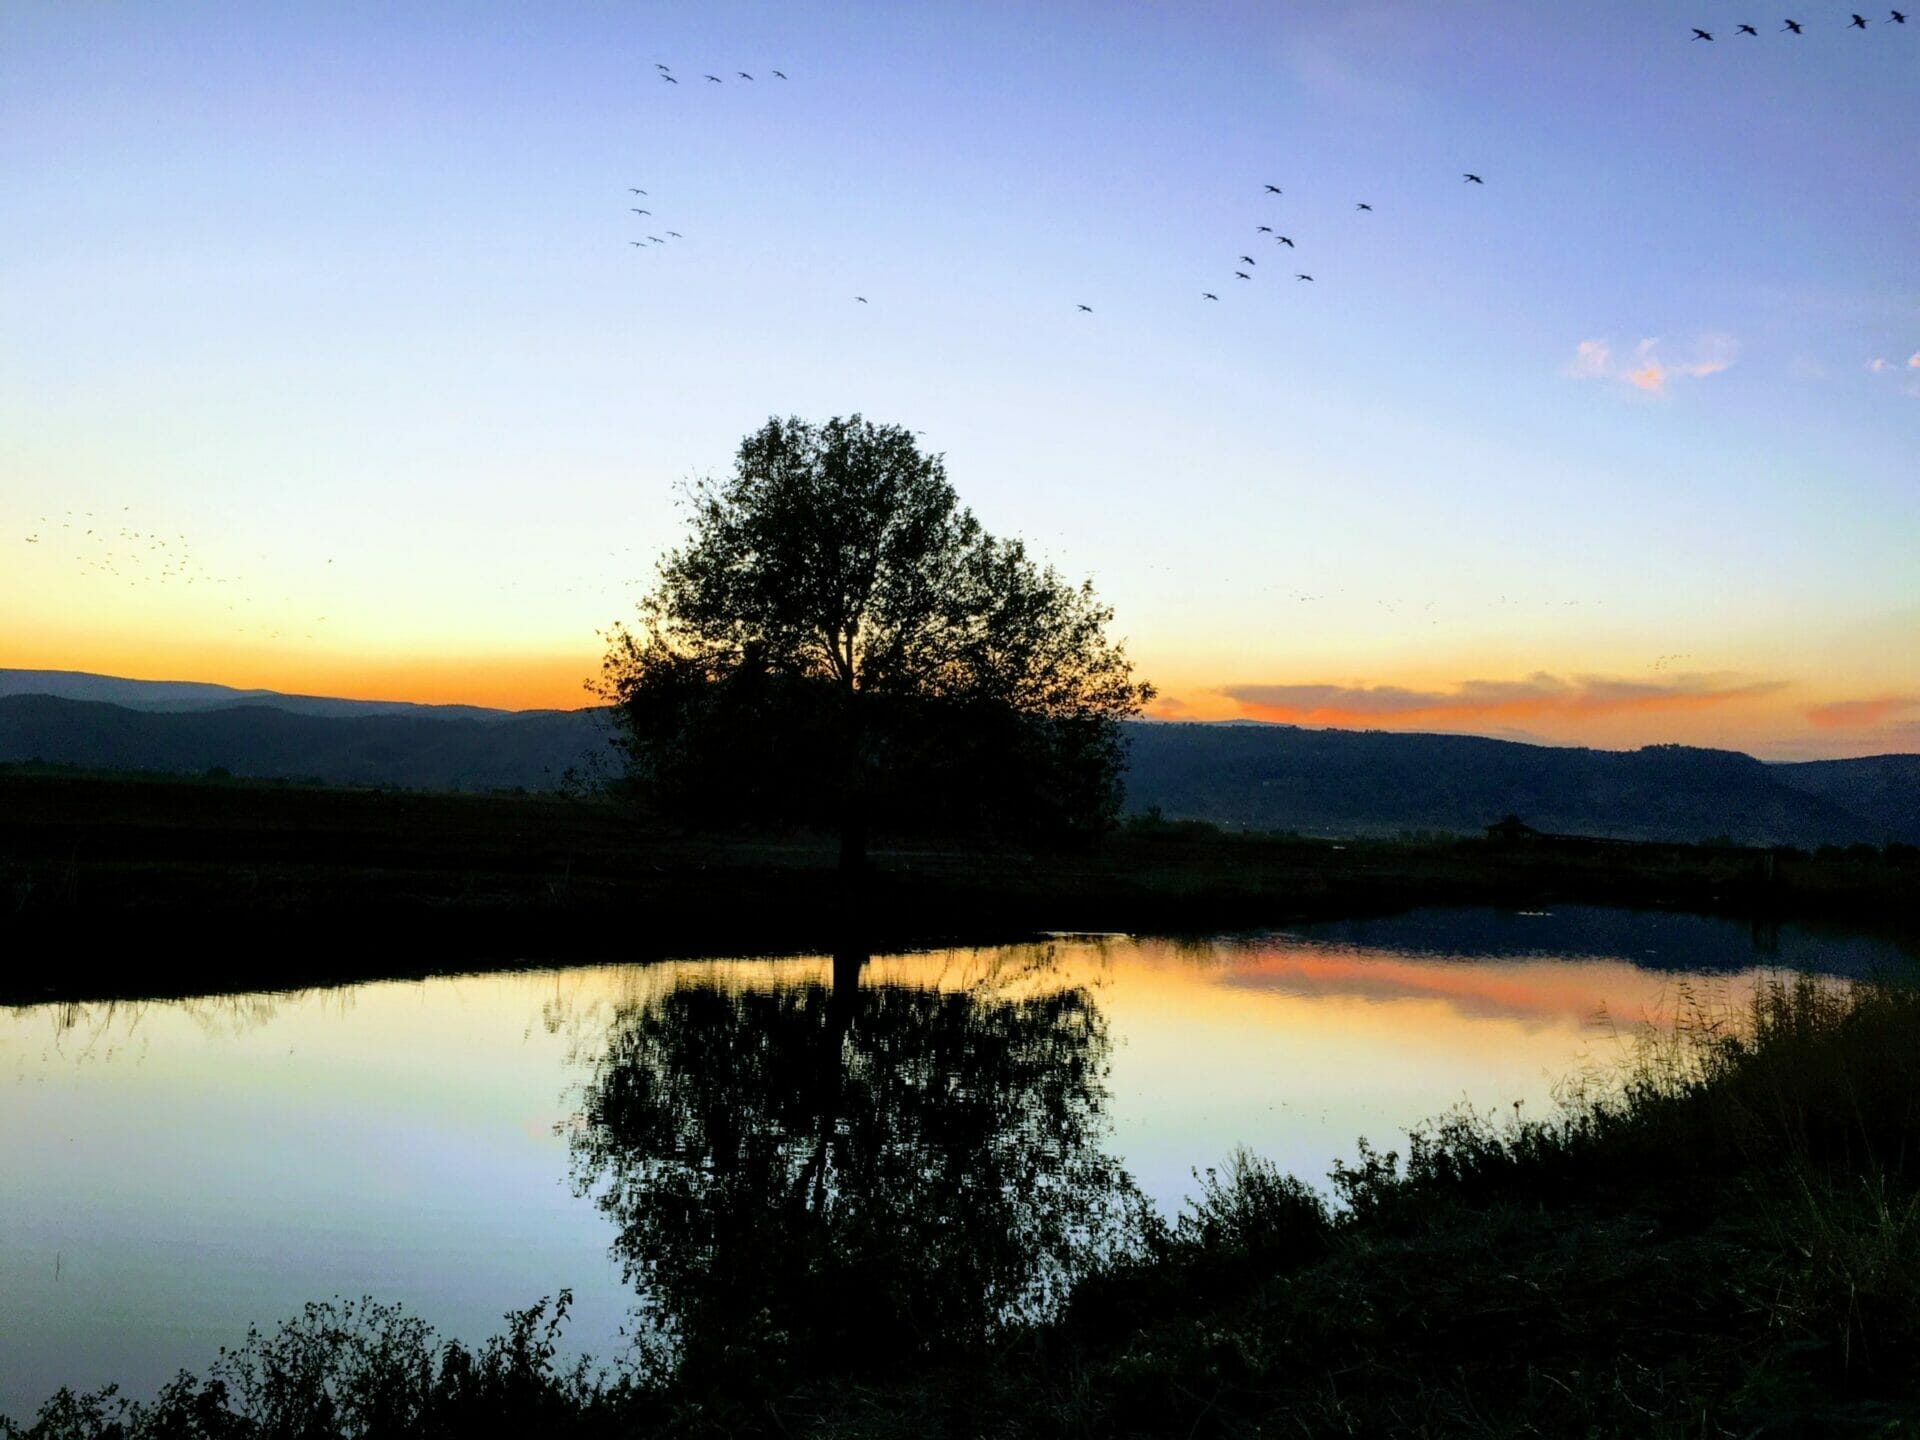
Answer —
(273, 886)
(1724, 1239)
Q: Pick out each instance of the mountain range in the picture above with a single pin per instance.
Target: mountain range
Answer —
(1253, 776)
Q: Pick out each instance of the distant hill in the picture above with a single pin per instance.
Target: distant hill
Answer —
(418, 751)
(1346, 782)
(1265, 777)
(1883, 790)
(170, 696)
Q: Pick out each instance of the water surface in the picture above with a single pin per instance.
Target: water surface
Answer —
(177, 1170)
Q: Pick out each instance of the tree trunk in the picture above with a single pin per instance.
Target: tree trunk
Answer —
(853, 838)
(853, 791)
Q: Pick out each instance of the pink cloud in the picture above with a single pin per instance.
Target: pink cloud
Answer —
(1851, 713)
(1649, 370)
(1479, 700)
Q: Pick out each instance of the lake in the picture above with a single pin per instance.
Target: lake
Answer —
(465, 1144)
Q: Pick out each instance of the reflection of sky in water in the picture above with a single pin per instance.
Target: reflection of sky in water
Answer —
(177, 1170)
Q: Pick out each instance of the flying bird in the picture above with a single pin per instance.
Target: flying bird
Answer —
(641, 243)
(1473, 179)
(1208, 295)
(743, 74)
(632, 191)
(1747, 30)
(778, 73)
(1303, 277)
(1285, 240)
(658, 66)
(1859, 22)
(675, 234)
(1793, 25)
(638, 211)
(1243, 274)
(670, 80)
(1087, 308)
(655, 239)
(714, 78)
(1898, 19)
(1267, 228)
(861, 298)
(1273, 190)
(1250, 260)
(1700, 34)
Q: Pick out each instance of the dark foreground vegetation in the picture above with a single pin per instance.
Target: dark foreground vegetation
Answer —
(269, 885)
(1725, 1240)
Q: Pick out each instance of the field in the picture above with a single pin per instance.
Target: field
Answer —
(267, 885)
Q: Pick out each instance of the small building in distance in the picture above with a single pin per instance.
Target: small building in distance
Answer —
(1512, 830)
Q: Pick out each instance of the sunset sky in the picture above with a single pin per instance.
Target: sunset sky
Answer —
(324, 320)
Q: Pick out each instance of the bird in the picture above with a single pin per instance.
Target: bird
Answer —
(1273, 190)
(1859, 22)
(1746, 30)
(1267, 228)
(1285, 240)
(658, 66)
(1362, 205)
(638, 211)
(641, 243)
(1087, 308)
(656, 240)
(1303, 277)
(778, 73)
(676, 235)
(1473, 179)
(1897, 19)
(632, 191)
(1700, 34)
(743, 74)
(1243, 274)
(1794, 26)
(861, 298)
(715, 79)
(1208, 295)
(1250, 260)
(670, 80)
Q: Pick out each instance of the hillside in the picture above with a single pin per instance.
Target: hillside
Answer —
(1262, 777)
(1342, 782)
(422, 752)
(165, 696)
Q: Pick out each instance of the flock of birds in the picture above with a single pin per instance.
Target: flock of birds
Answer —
(646, 211)
(1796, 27)
(1467, 177)
(108, 547)
(665, 72)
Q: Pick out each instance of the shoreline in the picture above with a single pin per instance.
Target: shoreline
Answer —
(305, 886)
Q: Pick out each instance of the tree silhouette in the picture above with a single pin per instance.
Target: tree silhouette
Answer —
(834, 1180)
(839, 642)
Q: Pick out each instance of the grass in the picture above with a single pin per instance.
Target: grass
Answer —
(1721, 1238)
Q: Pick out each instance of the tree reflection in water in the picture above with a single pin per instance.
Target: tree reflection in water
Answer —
(830, 1180)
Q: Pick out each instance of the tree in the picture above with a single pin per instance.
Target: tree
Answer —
(819, 1181)
(839, 641)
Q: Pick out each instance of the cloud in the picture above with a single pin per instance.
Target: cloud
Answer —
(1478, 701)
(1649, 369)
(1590, 360)
(1848, 714)
(1168, 708)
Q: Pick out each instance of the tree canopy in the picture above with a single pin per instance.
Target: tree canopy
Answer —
(839, 641)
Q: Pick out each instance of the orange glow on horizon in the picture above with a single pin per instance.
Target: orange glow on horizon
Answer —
(506, 682)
